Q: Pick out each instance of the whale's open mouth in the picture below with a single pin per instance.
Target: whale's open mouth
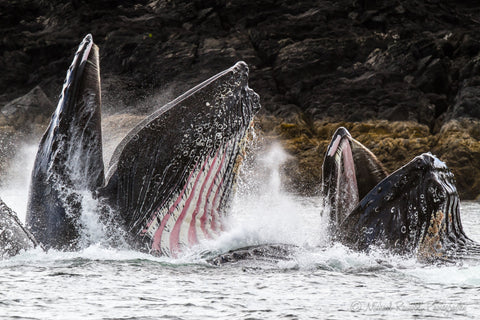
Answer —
(173, 174)
(342, 184)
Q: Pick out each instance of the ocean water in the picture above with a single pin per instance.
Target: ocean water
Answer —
(318, 281)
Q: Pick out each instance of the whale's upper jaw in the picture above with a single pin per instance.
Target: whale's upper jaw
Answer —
(414, 210)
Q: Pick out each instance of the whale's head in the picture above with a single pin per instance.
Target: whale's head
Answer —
(171, 177)
(414, 210)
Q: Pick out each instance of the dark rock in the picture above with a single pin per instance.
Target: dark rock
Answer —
(398, 113)
(322, 57)
(32, 108)
(467, 101)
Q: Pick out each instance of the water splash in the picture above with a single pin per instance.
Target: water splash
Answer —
(263, 213)
(92, 229)
(16, 182)
(272, 160)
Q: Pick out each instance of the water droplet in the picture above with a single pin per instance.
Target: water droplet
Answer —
(403, 229)
(392, 210)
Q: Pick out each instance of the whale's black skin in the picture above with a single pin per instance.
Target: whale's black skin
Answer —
(14, 237)
(169, 180)
(69, 157)
(171, 158)
(350, 171)
(266, 252)
(415, 210)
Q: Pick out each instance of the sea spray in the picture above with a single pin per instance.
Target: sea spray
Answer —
(263, 213)
(16, 182)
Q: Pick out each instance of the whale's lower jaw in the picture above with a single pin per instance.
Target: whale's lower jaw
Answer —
(69, 158)
(350, 170)
(172, 176)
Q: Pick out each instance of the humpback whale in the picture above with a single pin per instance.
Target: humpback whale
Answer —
(415, 210)
(14, 237)
(170, 179)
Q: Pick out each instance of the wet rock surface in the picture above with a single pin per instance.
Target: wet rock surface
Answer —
(402, 76)
(28, 110)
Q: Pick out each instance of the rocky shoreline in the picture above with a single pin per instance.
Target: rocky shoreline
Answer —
(402, 76)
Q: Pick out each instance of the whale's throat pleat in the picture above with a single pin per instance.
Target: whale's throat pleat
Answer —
(196, 211)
